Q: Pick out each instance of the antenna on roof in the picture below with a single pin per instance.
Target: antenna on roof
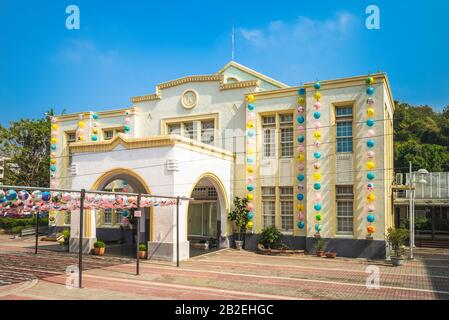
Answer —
(233, 40)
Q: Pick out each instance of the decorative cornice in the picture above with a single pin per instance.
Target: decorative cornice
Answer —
(177, 82)
(149, 142)
(102, 114)
(148, 97)
(240, 84)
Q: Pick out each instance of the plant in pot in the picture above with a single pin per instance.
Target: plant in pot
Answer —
(240, 218)
(270, 238)
(319, 247)
(396, 239)
(330, 252)
(100, 247)
(143, 249)
(65, 239)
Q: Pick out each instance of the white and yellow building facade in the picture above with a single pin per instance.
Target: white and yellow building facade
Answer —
(315, 160)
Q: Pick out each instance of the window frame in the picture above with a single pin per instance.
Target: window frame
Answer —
(344, 118)
(268, 198)
(348, 199)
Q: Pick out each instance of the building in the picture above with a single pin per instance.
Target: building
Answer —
(315, 160)
(431, 201)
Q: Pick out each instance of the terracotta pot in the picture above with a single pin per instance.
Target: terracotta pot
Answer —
(99, 251)
(331, 255)
(319, 253)
(142, 254)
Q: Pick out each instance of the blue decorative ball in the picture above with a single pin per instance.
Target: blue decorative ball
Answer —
(250, 159)
(94, 138)
(318, 227)
(317, 155)
(317, 115)
(370, 91)
(250, 187)
(127, 128)
(370, 122)
(301, 139)
(317, 207)
(46, 196)
(52, 168)
(301, 91)
(301, 224)
(95, 116)
(300, 119)
(370, 175)
(317, 186)
(53, 147)
(250, 215)
(11, 195)
(250, 107)
(370, 143)
(317, 85)
(300, 177)
(300, 196)
(251, 133)
(371, 218)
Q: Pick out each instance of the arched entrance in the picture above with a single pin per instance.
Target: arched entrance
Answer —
(207, 216)
(118, 228)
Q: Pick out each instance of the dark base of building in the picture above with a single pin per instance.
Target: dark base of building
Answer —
(351, 248)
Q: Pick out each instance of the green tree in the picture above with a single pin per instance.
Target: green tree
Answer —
(240, 214)
(27, 143)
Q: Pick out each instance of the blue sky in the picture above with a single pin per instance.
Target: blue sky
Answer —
(124, 48)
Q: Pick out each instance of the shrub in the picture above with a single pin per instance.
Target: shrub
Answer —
(240, 214)
(99, 244)
(396, 239)
(271, 238)
(143, 247)
(16, 230)
(319, 244)
(66, 235)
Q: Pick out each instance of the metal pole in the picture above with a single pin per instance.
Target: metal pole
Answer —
(37, 232)
(138, 239)
(80, 246)
(410, 213)
(177, 232)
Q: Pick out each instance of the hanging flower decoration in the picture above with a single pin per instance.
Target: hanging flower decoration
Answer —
(250, 157)
(53, 151)
(370, 163)
(94, 132)
(316, 175)
(301, 156)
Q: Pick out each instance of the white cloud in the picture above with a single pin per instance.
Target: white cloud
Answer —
(82, 51)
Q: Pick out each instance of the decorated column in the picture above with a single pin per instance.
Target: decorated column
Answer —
(250, 157)
(301, 158)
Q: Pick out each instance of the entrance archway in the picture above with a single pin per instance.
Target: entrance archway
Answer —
(207, 216)
(118, 228)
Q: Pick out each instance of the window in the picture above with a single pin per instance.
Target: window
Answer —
(202, 130)
(118, 216)
(71, 137)
(286, 127)
(286, 195)
(345, 209)
(207, 132)
(269, 142)
(269, 206)
(343, 117)
(109, 134)
(174, 128)
(189, 131)
(107, 216)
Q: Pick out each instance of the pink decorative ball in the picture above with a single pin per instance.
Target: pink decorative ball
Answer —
(370, 133)
(317, 143)
(317, 105)
(317, 165)
(250, 206)
(316, 125)
(300, 129)
(300, 167)
(301, 148)
(300, 216)
(318, 197)
(300, 110)
(370, 154)
(371, 208)
(251, 116)
(250, 180)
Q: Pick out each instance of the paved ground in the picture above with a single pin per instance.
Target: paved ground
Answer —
(225, 274)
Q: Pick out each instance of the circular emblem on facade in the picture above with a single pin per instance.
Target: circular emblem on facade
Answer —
(189, 99)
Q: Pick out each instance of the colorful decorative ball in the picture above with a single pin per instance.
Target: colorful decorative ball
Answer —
(317, 105)
(250, 196)
(301, 91)
(371, 207)
(317, 155)
(23, 195)
(369, 80)
(370, 165)
(300, 109)
(370, 175)
(94, 138)
(250, 187)
(316, 125)
(317, 165)
(300, 167)
(317, 85)
(317, 96)
(54, 140)
(250, 159)
(251, 133)
(300, 119)
(317, 115)
(300, 196)
(250, 206)
(250, 98)
(371, 197)
(57, 197)
(370, 91)
(300, 129)
(370, 112)
(95, 116)
(301, 100)
(54, 126)
(371, 218)
(370, 122)
(300, 207)
(318, 227)
(53, 147)
(250, 125)
(2, 195)
(11, 195)
(370, 133)
(250, 169)
(370, 101)
(317, 186)
(80, 138)
(81, 124)
(301, 224)
(301, 157)
(250, 224)
(36, 195)
(317, 143)
(53, 161)
(250, 179)
(317, 207)
(250, 215)
(127, 128)
(370, 154)
(371, 229)
(46, 196)
(318, 197)
(317, 176)
(370, 186)
(318, 217)
(250, 107)
(52, 168)
(301, 139)
(301, 177)
(370, 143)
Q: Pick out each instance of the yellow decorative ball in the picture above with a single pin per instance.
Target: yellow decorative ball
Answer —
(251, 151)
(250, 169)
(371, 197)
(370, 165)
(250, 125)
(301, 157)
(95, 131)
(317, 134)
(53, 161)
(370, 80)
(250, 225)
(370, 112)
(81, 124)
(54, 140)
(250, 196)
(54, 126)
(250, 98)
(317, 95)
(317, 176)
(300, 207)
(80, 138)
(301, 100)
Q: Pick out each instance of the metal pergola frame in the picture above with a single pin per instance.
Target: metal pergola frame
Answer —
(83, 193)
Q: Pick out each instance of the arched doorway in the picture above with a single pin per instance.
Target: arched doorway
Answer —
(118, 227)
(207, 216)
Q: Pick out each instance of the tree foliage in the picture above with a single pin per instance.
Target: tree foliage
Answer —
(421, 135)
(240, 214)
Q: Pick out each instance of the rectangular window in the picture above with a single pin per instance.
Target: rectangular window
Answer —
(286, 127)
(207, 131)
(269, 206)
(344, 119)
(269, 140)
(71, 137)
(286, 195)
(174, 129)
(107, 216)
(345, 209)
(189, 130)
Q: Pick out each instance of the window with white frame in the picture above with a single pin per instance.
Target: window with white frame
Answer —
(200, 130)
(344, 119)
(71, 136)
(286, 141)
(189, 130)
(107, 216)
(108, 134)
(269, 136)
(269, 206)
(286, 197)
(345, 209)
(207, 131)
(174, 128)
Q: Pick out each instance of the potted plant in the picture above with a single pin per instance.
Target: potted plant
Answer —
(65, 239)
(330, 253)
(396, 239)
(143, 249)
(319, 247)
(270, 238)
(100, 247)
(240, 217)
